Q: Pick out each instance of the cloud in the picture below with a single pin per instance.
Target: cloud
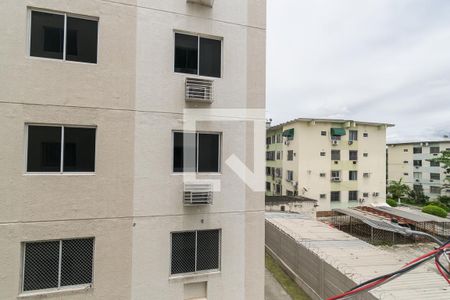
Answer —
(372, 60)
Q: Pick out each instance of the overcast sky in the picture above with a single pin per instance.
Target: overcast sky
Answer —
(368, 60)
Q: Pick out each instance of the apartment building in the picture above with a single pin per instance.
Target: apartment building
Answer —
(411, 163)
(340, 163)
(94, 203)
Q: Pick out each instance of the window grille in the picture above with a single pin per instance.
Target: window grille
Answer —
(56, 264)
(195, 251)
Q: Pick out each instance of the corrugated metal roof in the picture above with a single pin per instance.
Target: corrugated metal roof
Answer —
(360, 261)
(416, 216)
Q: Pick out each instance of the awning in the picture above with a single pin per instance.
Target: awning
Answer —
(337, 131)
(289, 133)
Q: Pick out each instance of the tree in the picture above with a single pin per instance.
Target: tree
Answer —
(398, 189)
(417, 194)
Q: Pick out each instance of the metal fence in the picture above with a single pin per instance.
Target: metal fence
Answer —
(316, 277)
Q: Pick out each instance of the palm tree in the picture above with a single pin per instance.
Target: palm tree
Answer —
(398, 190)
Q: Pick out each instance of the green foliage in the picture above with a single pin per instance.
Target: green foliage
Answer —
(439, 204)
(444, 199)
(444, 160)
(398, 189)
(392, 202)
(417, 196)
(435, 210)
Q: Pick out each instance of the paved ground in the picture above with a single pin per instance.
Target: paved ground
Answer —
(273, 290)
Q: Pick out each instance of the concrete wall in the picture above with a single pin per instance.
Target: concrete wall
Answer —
(133, 201)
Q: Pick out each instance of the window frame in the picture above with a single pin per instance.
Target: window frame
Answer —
(219, 169)
(30, 10)
(355, 193)
(353, 135)
(211, 271)
(199, 36)
(59, 288)
(335, 193)
(61, 167)
(350, 172)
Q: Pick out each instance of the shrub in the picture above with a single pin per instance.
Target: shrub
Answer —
(439, 204)
(444, 199)
(392, 202)
(435, 210)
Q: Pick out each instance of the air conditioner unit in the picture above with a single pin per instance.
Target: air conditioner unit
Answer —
(198, 193)
(350, 142)
(355, 162)
(334, 142)
(366, 175)
(376, 194)
(417, 180)
(295, 184)
(322, 174)
(199, 90)
(336, 179)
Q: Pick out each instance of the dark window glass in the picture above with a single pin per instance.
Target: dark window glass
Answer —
(417, 150)
(208, 250)
(186, 53)
(210, 57)
(76, 262)
(208, 152)
(335, 196)
(353, 155)
(184, 152)
(324, 133)
(352, 195)
(353, 175)
(41, 265)
(47, 35)
(183, 252)
(79, 149)
(434, 164)
(417, 163)
(81, 42)
(44, 149)
(434, 150)
(335, 154)
(353, 135)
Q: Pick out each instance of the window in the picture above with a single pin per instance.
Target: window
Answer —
(335, 196)
(289, 193)
(278, 172)
(278, 189)
(353, 135)
(366, 154)
(290, 155)
(434, 163)
(60, 149)
(323, 196)
(417, 150)
(290, 175)
(195, 251)
(322, 153)
(198, 55)
(270, 155)
(61, 36)
(268, 171)
(352, 195)
(268, 186)
(353, 175)
(406, 174)
(55, 264)
(196, 152)
(434, 150)
(435, 176)
(365, 134)
(353, 155)
(405, 150)
(417, 175)
(335, 154)
(417, 163)
(435, 190)
(405, 161)
(278, 155)
(323, 133)
(336, 175)
(268, 141)
(322, 175)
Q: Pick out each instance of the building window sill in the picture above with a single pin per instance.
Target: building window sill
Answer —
(48, 292)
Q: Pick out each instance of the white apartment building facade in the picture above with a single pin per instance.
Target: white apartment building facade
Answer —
(340, 163)
(92, 100)
(411, 163)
